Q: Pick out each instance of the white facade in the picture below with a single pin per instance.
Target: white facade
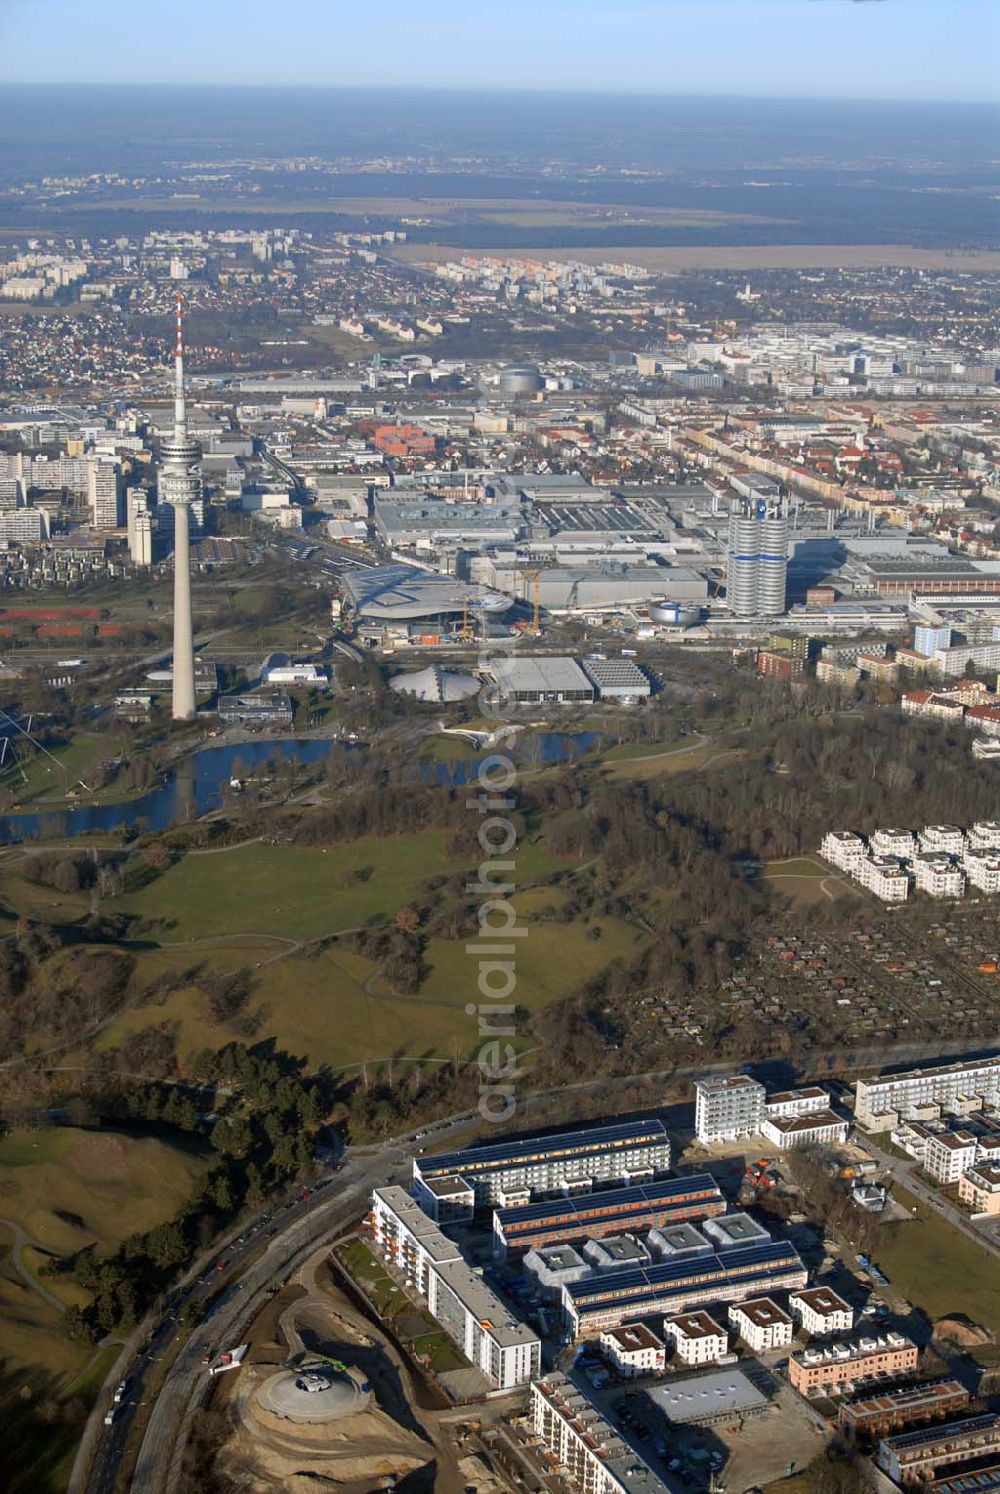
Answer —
(950, 1155)
(761, 1324)
(296, 674)
(579, 1441)
(844, 849)
(884, 876)
(502, 1347)
(729, 1108)
(893, 842)
(820, 1312)
(880, 1102)
(820, 1128)
(696, 1337)
(982, 868)
(104, 494)
(937, 875)
(947, 838)
(794, 1102)
(985, 835)
(634, 1349)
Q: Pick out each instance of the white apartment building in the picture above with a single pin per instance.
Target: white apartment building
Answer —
(984, 835)
(816, 1128)
(580, 1442)
(761, 1324)
(104, 494)
(696, 1338)
(820, 1312)
(979, 1190)
(513, 1171)
(728, 1108)
(947, 838)
(938, 875)
(844, 849)
(24, 526)
(506, 1351)
(982, 868)
(793, 1102)
(893, 842)
(949, 1155)
(141, 542)
(884, 876)
(634, 1349)
(880, 1103)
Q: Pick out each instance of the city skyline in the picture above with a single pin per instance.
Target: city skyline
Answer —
(846, 49)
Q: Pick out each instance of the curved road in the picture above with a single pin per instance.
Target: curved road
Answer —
(261, 1254)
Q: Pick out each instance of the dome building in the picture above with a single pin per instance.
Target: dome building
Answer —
(521, 381)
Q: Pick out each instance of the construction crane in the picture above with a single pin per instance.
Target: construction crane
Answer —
(535, 576)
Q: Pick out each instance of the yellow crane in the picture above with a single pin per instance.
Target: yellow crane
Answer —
(535, 576)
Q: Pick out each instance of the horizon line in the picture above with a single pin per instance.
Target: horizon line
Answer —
(560, 91)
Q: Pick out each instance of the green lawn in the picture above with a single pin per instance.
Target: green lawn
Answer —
(318, 1006)
(48, 779)
(299, 892)
(68, 1187)
(939, 1269)
(376, 1283)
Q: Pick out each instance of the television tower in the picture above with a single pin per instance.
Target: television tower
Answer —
(180, 486)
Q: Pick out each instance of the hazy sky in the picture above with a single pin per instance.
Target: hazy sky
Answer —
(943, 49)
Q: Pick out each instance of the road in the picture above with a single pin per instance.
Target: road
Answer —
(905, 1172)
(262, 1253)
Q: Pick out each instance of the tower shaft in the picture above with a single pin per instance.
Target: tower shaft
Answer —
(183, 693)
(180, 486)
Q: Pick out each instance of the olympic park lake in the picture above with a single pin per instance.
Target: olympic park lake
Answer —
(197, 785)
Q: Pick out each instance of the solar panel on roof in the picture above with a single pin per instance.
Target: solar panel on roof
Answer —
(634, 1193)
(477, 1158)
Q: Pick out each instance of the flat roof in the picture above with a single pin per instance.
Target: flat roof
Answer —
(622, 1248)
(905, 1398)
(982, 1480)
(449, 1187)
(700, 1397)
(945, 1431)
(635, 1196)
(813, 1120)
(695, 1270)
(550, 674)
(419, 1224)
(740, 1228)
(720, 1084)
(484, 1305)
(933, 1071)
(504, 1155)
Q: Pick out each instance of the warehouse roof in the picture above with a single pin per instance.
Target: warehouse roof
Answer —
(546, 676)
(704, 1397)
